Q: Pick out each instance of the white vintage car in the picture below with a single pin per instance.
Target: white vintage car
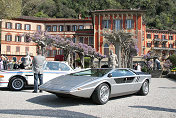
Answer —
(18, 79)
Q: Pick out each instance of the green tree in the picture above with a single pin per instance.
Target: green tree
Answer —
(10, 8)
(172, 58)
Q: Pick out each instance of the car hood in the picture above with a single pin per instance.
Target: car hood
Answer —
(66, 83)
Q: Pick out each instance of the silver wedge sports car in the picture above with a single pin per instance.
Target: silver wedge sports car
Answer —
(99, 84)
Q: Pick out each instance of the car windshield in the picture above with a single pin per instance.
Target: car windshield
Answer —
(57, 66)
(92, 72)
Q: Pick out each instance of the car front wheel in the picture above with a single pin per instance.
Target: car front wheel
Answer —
(144, 88)
(101, 94)
(16, 84)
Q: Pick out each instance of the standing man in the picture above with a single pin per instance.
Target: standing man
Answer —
(37, 65)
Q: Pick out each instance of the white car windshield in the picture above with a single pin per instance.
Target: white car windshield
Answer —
(57, 66)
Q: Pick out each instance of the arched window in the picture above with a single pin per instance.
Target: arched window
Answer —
(106, 49)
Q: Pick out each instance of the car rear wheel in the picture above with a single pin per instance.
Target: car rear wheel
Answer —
(16, 84)
(101, 94)
(144, 88)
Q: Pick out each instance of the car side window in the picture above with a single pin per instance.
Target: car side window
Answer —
(122, 72)
(63, 67)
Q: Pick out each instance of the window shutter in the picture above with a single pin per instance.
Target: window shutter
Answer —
(5, 37)
(114, 28)
(102, 25)
(132, 24)
(121, 24)
(125, 24)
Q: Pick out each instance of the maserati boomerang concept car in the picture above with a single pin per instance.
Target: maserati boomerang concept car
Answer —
(99, 84)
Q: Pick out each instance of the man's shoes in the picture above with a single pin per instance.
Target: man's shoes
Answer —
(34, 92)
(40, 91)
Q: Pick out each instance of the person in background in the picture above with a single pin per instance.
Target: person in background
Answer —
(158, 65)
(21, 65)
(16, 65)
(10, 65)
(1, 64)
(4, 62)
(138, 67)
(37, 66)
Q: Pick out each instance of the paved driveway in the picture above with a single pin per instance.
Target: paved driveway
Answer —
(159, 103)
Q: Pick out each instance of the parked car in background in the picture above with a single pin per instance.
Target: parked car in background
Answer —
(99, 84)
(18, 79)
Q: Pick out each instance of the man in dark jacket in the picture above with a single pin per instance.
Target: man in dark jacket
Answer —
(37, 66)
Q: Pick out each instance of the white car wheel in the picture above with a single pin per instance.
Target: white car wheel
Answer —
(144, 88)
(101, 94)
(16, 83)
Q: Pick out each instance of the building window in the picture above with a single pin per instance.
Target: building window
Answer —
(81, 39)
(39, 27)
(54, 53)
(8, 48)
(91, 41)
(8, 37)
(170, 45)
(61, 28)
(155, 36)
(18, 38)
(156, 44)
(54, 28)
(163, 37)
(26, 49)
(117, 24)
(170, 37)
(48, 28)
(106, 24)
(148, 44)
(129, 24)
(148, 36)
(163, 45)
(81, 27)
(106, 49)
(17, 49)
(74, 28)
(18, 26)
(91, 26)
(27, 27)
(9, 25)
(68, 28)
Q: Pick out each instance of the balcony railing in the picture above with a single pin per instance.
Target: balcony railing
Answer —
(163, 48)
(15, 53)
(164, 40)
(157, 39)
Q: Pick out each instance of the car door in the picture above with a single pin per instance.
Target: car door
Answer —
(54, 69)
(122, 81)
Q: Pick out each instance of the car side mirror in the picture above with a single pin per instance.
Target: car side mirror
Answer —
(110, 75)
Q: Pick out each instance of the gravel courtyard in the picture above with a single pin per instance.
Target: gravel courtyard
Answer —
(159, 103)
